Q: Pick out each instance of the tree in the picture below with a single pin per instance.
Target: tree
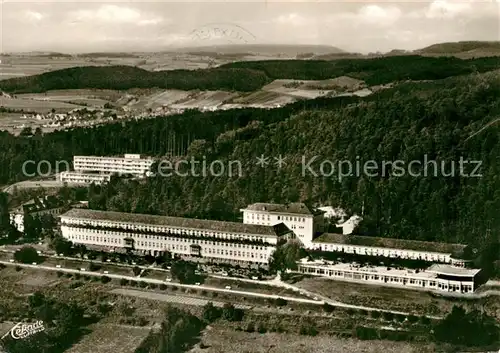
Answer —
(183, 271)
(62, 246)
(27, 255)
(211, 313)
(36, 299)
(280, 302)
(470, 329)
(137, 270)
(286, 256)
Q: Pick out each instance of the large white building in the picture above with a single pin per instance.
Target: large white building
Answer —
(303, 221)
(38, 207)
(438, 277)
(238, 243)
(132, 164)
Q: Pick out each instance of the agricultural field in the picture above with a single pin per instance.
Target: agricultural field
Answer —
(106, 338)
(265, 98)
(217, 339)
(305, 89)
(36, 105)
(205, 99)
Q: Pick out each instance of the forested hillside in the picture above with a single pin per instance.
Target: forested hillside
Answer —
(405, 123)
(252, 75)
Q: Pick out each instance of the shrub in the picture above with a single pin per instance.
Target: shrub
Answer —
(18, 268)
(153, 285)
(142, 284)
(105, 279)
(412, 319)
(375, 314)
(78, 276)
(424, 320)
(163, 286)
(261, 328)
(328, 308)
(250, 327)
(211, 313)
(136, 270)
(388, 316)
(59, 274)
(363, 312)
(228, 312)
(69, 275)
(350, 311)
(280, 302)
(399, 317)
(94, 267)
(27, 255)
(87, 278)
(123, 282)
(174, 288)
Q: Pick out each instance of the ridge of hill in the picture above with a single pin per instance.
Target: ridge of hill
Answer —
(249, 76)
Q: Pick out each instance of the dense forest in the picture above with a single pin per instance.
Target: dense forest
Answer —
(445, 120)
(252, 75)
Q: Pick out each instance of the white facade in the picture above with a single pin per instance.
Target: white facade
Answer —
(438, 277)
(246, 245)
(297, 217)
(128, 164)
(18, 216)
(427, 255)
(84, 178)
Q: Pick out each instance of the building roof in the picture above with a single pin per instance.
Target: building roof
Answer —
(292, 208)
(178, 222)
(453, 271)
(392, 243)
(39, 204)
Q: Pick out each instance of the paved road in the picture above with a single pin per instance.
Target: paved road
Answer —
(156, 281)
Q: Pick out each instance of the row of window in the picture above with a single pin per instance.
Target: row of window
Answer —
(151, 228)
(431, 283)
(267, 217)
(164, 243)
(384, 252)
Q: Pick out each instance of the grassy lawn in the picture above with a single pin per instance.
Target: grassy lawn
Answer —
(106, 338)
(217, 339)
(397, 299)
(376, 296)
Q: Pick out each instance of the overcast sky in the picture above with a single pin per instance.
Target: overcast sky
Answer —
(77, 26)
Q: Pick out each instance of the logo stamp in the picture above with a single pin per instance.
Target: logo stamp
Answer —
(22, 330)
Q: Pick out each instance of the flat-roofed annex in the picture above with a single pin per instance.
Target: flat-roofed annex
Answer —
(389, 243)
(177, 222)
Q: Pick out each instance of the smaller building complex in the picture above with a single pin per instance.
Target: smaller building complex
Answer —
(98, 169)
(216, 241)
(37, 207)
(84, 178)
(438, 277)
(133, 164)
